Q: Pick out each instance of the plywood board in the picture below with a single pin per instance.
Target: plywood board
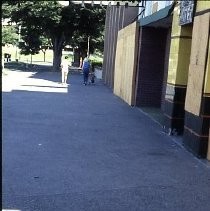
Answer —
(125, 63)
(202, 5)
(200, 39)
(194, 89)
(197, 64)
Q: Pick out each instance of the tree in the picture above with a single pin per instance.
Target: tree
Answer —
(51, 20)
(31, 41)
(90, 24)
(45, 45)
(9, 35)
(39, 18)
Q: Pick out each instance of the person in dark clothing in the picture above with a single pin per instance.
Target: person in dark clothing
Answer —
(92, 76)
(86, 70)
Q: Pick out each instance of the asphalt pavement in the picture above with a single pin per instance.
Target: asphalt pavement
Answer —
(81, 148)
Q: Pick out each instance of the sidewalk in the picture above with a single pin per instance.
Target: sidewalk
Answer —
(80, 147)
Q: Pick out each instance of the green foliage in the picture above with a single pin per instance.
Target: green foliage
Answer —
(62, 25)
(45, 42)
(8, 7)
(91, 23)
(9, 35)
(32, 41)
(95, 63)
(38, 19)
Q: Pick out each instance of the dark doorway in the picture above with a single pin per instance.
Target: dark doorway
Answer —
(152, 65)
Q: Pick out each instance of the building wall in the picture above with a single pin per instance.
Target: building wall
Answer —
(207, 74)
(187, 97)
(154, 6)
(116, 19)
(198, 64)
(125, 63)
(197, 105)
(187, 104)
(202, 6)
(178, 66)
(151, 66)
(154, 46)
(180, 56)
(166, 62)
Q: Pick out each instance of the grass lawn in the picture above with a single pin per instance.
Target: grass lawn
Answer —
(27, 59)
(39, 58)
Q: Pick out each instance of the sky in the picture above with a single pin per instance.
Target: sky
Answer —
(65, 3)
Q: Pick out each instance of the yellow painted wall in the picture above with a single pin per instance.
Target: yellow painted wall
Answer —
(207, 77)
(180, 49)
(125, 63)
(202, 5)
(183, 61)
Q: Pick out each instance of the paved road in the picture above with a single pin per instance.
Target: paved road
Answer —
(81, 148)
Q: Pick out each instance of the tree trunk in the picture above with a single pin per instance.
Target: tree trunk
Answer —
(57, 52)
(44, 52)
(76, 58)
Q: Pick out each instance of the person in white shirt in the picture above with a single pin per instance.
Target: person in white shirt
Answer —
(64, 70)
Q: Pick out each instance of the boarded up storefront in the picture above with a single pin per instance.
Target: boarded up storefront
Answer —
(197, 64)
(197, 105)
(125, 63)
(117, 17)
(207, 96)
(178, 66)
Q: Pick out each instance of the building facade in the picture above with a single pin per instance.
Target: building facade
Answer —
(164, 56)
(197, 101)
(117, 17)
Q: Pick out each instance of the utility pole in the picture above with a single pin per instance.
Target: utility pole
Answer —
(88, 52)
(17, 47)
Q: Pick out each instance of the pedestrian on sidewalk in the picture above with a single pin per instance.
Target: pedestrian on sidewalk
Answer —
(86, 70)
(92, 76)
(64, 70)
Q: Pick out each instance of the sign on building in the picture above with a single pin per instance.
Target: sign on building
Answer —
(186, 12)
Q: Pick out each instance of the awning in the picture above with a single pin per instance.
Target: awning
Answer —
(161, 14)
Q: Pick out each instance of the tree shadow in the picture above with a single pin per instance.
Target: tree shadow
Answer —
(22, 66)
(45, 72)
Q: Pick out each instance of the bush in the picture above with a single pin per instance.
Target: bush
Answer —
(96, 64)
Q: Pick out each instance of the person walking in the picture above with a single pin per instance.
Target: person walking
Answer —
(64, 70)
(86, 70)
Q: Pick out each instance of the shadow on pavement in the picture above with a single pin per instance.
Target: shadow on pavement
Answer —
(43, 71)
(22, 66)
